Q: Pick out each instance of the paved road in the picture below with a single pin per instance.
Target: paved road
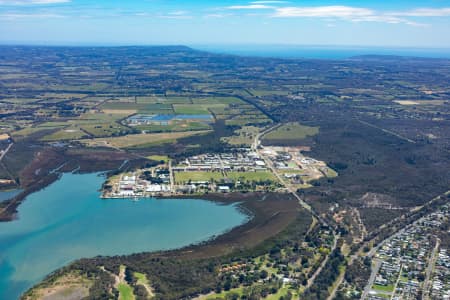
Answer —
(6, 151)
(290, 188)
(371, 280)
(372, 252)
(293, 191)
(431, 263)
(257, 140)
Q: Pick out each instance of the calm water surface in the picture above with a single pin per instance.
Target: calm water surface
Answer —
(68, 220)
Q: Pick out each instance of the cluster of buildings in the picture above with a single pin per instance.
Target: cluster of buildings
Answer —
(242, 169)
(440, 288)
(143, 183)
(412, 263)
(294, 166)
(241, 160)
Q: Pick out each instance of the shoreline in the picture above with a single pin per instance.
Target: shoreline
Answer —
(271, 214)
(9, 212)
(267, 214)
(250, 204)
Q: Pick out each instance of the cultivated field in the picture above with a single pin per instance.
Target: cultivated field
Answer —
(183, 177)
(290, 132)
(135, 140)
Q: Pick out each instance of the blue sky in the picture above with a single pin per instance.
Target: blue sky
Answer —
(394, 23)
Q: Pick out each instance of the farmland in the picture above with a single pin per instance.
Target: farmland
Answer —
(362, 141)
(289, 133)
(136, 140)
(71, 133)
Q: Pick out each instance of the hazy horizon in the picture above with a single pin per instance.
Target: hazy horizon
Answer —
(280, 50)
(326, 22)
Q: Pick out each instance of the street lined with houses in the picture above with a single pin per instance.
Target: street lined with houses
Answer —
(412, 263)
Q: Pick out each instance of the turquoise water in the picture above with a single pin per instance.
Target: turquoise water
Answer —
(68, 220)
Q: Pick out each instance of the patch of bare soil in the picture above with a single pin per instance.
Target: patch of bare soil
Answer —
(68, 287)
(375, 200)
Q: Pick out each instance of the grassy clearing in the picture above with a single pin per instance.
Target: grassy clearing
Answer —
(26, 131)
(291, 131)
(64, 96)
(97, 124)
(261, 93)
(120, 111)
(383, 288)
(282, 292)
(252, 176)
(245, 121)
(181, 177)
(147, 100)
(330, 173)
(164, 158)
(44, 126)
(244, 136)
(143, 280)
(52, 124)
(133, 140)
(105, 129)
(223, 295)
(70, 133)
(197, 109)
(156, 108)
(178, 126)
(190, 109)
(19, 100)
(125, 291)
(102, 117)
(217, 100)
(240, 291)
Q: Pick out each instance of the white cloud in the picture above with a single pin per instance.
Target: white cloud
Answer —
(18, 16)
(355, 14)
(268, 2)
(31, 2)
(323, 11)
(424, 12)
(250, 6)
(218, 16)
(178, 13)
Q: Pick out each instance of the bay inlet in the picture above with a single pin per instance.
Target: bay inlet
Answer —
(68, 220)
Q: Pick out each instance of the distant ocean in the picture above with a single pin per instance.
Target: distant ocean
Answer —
(322, 52)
